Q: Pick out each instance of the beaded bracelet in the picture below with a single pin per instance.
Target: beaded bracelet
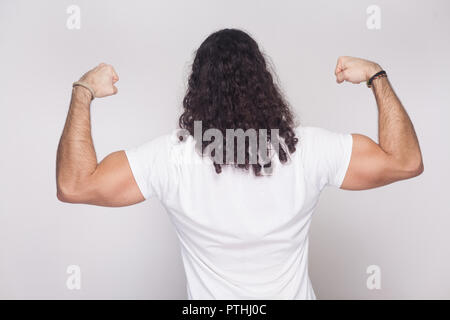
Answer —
(381, 74)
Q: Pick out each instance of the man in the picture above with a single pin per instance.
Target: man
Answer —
(243, 233)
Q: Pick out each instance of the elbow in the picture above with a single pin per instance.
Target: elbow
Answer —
(65, 195)
(74, 189)
(68, 192)
(420, 169)
(414, 167)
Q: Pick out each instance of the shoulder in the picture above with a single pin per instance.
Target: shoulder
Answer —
(307, 133)
(315, 137)
(319, 144)
(163, 143)
(309, 138)
(155, 149)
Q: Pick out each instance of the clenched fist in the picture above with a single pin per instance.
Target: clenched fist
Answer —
(355, 70)
(101, 79)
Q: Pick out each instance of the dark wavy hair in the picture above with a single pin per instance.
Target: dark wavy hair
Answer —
(230, 87)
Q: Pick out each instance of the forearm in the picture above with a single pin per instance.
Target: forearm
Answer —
(76, 158)
(396, 132)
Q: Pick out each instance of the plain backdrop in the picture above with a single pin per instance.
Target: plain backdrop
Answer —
(132, 252)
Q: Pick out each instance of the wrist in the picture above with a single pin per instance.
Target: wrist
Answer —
(373, 69)
(82, 94)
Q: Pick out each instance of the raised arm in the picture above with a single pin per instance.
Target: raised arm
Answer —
(80, 179)
(397, 155)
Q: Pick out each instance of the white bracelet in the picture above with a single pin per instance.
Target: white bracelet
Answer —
(85, 85)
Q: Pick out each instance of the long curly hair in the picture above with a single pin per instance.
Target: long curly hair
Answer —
(230, 87)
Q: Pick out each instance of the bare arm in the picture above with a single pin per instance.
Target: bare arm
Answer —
(80, 179)
(397, 156)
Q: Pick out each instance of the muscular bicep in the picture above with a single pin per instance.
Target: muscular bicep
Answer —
(370, 166)
(112, 184)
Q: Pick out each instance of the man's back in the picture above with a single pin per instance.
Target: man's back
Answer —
(241, 235)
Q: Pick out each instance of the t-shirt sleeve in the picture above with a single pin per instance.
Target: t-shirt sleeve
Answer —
(151, 166)
(326, 155)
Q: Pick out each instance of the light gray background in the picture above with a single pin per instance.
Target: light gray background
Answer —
(132, 252)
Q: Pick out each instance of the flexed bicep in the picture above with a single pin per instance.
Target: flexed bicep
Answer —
(397, 156)
(370, 166)
(112, 184)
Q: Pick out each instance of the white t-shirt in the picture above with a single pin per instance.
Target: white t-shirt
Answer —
(242, 236)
